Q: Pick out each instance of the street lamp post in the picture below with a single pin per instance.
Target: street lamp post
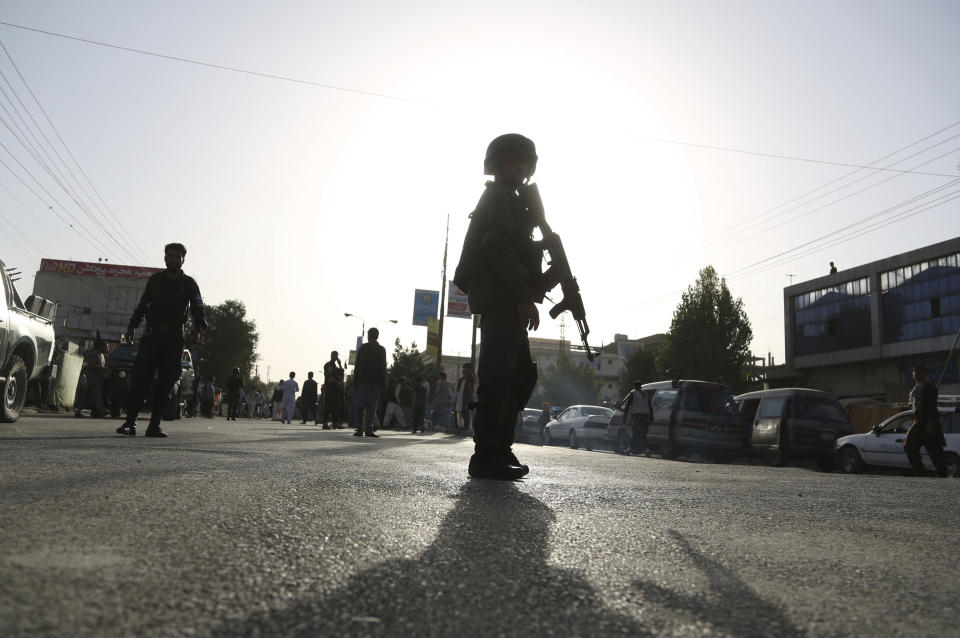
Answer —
(363, 322)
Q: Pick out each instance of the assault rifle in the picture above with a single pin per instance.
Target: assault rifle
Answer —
(572, 301)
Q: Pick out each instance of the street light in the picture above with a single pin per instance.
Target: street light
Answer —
(363, 322)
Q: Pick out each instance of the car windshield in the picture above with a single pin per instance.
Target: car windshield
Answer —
(122, 354)
(531, 412)
(818, 408)
(596, 411)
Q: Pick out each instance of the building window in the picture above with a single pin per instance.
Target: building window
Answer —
(834, 318)
(921, 300)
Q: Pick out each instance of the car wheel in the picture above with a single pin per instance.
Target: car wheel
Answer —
(623, 442)
(953, 465)
(573, 440)
(850, 461)
(547, 439)
(14, 390)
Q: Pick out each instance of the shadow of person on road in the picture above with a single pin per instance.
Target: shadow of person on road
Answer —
(729, 604)
(486, 574)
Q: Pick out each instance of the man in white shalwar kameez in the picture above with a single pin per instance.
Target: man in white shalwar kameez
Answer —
(290, 389)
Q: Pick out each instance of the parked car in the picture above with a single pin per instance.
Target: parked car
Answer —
(117, 385)
(792, 423)
(26, 344)
(528, 425)
(695, 415)
(579, 425)
(883, 446)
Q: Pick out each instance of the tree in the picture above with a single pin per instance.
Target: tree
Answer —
(407, 362)
(566, 383)
(640, 364)
(710, 335)
(230, 341)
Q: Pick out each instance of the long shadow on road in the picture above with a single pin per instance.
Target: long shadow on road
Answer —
(486, 574)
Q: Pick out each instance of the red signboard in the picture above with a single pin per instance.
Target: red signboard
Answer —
(90, 269)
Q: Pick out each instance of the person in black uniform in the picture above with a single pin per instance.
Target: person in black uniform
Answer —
(308, 401)
(926, 430)
(333, 391)
(500, 268)
(164, 304)
(234, 390)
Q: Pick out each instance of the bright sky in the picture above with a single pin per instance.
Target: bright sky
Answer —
(307, 202)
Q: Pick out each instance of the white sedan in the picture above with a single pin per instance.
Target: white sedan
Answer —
(579, 425)
(883, 446)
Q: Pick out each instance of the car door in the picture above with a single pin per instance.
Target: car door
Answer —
(561, 426)
(662, 403)
(886, 446)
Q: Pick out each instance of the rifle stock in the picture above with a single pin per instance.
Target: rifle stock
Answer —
(572, 300)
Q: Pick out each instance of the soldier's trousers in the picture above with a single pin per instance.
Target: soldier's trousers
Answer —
(507, 376)
(160, 355)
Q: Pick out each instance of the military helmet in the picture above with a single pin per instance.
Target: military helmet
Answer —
(509, 143)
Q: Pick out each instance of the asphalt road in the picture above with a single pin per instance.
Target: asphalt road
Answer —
(256, 528)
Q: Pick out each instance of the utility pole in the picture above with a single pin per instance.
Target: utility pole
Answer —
(443, 298)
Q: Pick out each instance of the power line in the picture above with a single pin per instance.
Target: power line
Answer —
(47, 162)
(734, 228)
(66, 147)
(284, 78)
(220, 66)
(794, 158)
(860, 222)
(742, 239)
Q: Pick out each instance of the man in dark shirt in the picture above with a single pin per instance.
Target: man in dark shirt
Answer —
(333, 391)
(234, 390)
(369, 379)
(308, 400)
(926, 430)
(164, 305)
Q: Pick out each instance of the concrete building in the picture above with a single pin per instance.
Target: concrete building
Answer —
(91, 296)
(860, 331)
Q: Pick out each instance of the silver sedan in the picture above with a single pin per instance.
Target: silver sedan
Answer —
(579, 425)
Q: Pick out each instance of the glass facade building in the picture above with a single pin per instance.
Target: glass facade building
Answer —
(921, 300)
(833, 318)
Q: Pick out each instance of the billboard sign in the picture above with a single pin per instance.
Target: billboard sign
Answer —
(425, 305)
(457, 305)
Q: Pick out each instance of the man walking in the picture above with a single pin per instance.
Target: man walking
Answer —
(926, 430)
(164, 304)
(234, 389)
(369, 380)
(308, 400)
(290, 389)
(420, 392)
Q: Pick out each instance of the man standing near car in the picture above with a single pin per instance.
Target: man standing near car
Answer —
(926, 430)
(165, 303)
(636, 412)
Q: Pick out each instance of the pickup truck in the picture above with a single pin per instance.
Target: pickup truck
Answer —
(26, 344)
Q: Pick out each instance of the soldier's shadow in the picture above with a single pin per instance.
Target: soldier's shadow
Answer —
(485, 575)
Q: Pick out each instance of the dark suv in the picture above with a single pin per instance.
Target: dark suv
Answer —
(117, 385)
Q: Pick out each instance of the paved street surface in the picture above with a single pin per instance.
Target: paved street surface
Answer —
(256, 528)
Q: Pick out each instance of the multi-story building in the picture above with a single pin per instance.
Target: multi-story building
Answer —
(91, 297)
(859, 332)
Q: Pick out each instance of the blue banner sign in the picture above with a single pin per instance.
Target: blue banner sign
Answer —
(425, 305)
